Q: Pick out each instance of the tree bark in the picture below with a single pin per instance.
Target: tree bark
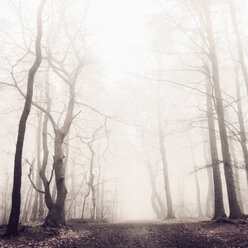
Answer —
(242, 134)
(170, 213)
(236, 174)
(198, 191)
(36, 204)
(157, 203)
(56, 214)
(219, 210)
(239, 44)
(235, 211)
(16, 193)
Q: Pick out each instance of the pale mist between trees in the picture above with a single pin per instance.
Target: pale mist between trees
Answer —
(123, 110)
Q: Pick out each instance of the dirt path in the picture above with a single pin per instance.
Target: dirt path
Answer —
(166, 234)
(162, 235)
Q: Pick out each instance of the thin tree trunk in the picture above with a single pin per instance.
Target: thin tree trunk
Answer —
(16, 193)
(198, 192)
(170, 213)
(210, 194)
(243, 139)
(84, 202)
(34, 214)
(239, 44)
(92, 186)
(155, 198)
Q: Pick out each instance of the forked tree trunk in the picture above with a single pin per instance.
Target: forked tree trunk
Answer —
(56, 214)
(157, 203)
(16, 193)
(235, 211)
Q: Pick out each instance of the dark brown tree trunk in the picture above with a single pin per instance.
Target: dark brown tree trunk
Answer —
(235, 211)
(219, 210)
(16, 193)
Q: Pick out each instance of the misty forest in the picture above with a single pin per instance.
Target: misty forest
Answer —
(124, 123)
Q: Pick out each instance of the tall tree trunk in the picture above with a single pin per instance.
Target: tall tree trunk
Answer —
(239, 44)
(34, 214)
(198, 191)
(84, 202)
(25, 210)
(16, 193)
(243, 139)
(56, 215)
(46, 183)
(157, 203)
(210, 195)
(219, 210)
(91, 183)
(235, 211)
(170, 213)
(98, 196)
(236, 174)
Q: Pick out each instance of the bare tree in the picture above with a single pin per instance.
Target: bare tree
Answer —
(16, 195)
(206, 22)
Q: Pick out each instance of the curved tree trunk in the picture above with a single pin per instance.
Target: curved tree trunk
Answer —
(16, 193)
(157, 203)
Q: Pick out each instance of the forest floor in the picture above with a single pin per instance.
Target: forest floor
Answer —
(163, 234)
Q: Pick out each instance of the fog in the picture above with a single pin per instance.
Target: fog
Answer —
(140, 102)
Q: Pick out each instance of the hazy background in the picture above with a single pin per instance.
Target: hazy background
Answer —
(129, 43)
